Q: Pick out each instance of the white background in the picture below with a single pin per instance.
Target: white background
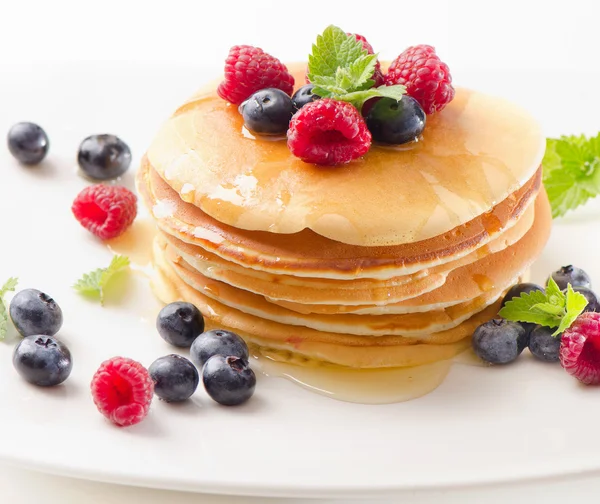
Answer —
(516, 40)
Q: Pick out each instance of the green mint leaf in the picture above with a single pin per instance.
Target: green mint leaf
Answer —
(361, 70)
(94, 282)
(9, 286)
(358, 98)
(553, 291)
(571, 171)
(333, 49)
(520, 309)
(575, 304)
(551, 308)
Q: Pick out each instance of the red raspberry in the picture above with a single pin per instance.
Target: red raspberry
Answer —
(122, 390)
(249, 69)
(328, 132)
(106, 211)
(378, 74)
(580, 348)
(426, 77)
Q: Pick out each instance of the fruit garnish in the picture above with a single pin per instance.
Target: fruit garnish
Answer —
(517, 289)
(103, 157)
(328, 132)
(122, 390)
(106, 211)
(94, 283)
(571, 275)
(396, 122)
(228, 380)
(342, 69)
(499, 341)
(543, 344)
(28, 143)
(42, 360)
(426, 77)
(9, 286)
(552, 308)
(268, 111)
(571, 171)
(35, 313)
(580, 349)
(249, 69)
(175, 378)
(218, 342)
(304, 95)
(377, 74)
(180, 323)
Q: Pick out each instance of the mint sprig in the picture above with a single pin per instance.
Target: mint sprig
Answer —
(9, 286)
(571, 171)
(552, 308)
(341, 69)
(94, 283)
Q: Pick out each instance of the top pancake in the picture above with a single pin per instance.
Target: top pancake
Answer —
(473, 154)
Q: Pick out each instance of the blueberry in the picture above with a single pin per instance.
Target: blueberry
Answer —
(303, 96)
(42, 360)
(103, 157)
(217, 342)
(396, 122)
(543, 345)
(180, 323)
(175, 378)
(571, 275)
(34, 312)
(593, 301)
(228, 380)
(28, 143)
(499, 341)
(518, 289)
(268, 111)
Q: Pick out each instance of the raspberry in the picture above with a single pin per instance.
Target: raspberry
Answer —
(249, 69)
(106, 211)
(580, 348)
(426, 77)
(328, 132)
(122, 390)
(378, 74)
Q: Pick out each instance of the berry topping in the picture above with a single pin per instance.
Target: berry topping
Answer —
(328, 132)
(228, 380)
(518, 289)
(268, 111)
(103, 157)
(499, 341)
(218, 342)
(34, 313)
(590, 296)
(106, 211)
(122, 391)
(543, 345)
(377, 74)
(175, 378)
(249, 69)
(580, 349)
(28, 143)
(180, 323)
(571, 275)
(426, 77)
(303, 96)
(396, 122)
(42, 360)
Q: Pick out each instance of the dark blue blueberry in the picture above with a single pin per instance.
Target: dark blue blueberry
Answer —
(175, 378)
(543, 345)
(593, 302)
(42, 360)
(103, 157)
(228, 380)
(396, 122)
(28, 143)
(180, 323)
(268, 111)
(518, 289)
(218, 342)
(499, 341)
(571, 275)
(303, 96)
(34, 312)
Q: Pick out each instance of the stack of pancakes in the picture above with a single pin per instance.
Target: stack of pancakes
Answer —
(390, 261)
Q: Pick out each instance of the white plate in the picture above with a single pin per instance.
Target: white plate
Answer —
(504, 424)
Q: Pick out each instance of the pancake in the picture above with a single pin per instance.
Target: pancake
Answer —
(206, 156)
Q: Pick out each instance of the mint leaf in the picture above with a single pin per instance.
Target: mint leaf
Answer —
(552, 308)
(362, 70)
(333, 49)
(94, 282)
(9, 286)
(571, 171)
